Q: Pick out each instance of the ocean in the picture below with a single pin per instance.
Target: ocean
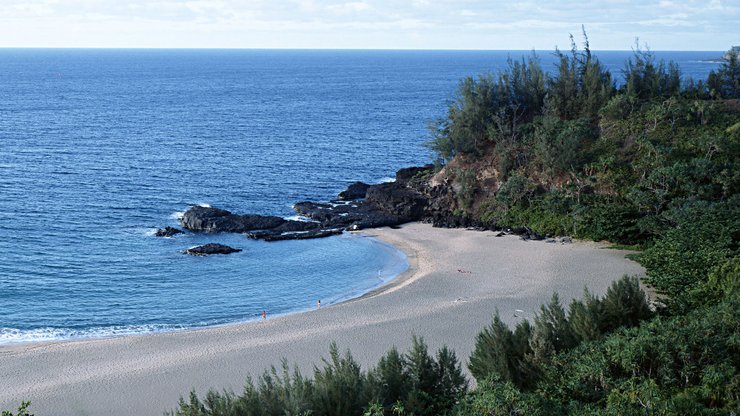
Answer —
(98, 148)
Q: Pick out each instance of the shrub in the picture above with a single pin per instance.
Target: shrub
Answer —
(338, 386)
(624, 305)
(705, 237)
(22, 410)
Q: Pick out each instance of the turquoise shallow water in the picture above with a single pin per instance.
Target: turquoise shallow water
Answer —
(100, 147)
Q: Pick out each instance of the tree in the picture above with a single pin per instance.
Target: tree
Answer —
(586, 317)
(551, 333)
(422, 375)
(624, 304)
(338, 386)
(22, 410)
(388, 381)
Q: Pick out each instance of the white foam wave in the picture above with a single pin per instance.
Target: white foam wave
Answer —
(300, 218)
(387, 179)
(177, 215)
(20, 336)
(204, 205)
(150, 232)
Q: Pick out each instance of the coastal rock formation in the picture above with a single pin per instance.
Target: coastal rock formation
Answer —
(416, 195)
(271, 235)
(211, 248)
(215, 220)
(355, 215)
(167, 232)
(356, 190)
(397, 199)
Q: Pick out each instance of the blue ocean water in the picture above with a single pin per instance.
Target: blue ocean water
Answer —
(100, 147)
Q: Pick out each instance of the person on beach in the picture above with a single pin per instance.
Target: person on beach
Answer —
(318, 304)
(264, 315)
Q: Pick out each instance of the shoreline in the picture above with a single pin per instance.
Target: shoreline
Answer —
(386, 284)
(433, 298)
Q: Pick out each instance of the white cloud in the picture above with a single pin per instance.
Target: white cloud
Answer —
(347, 8)
(464, 24)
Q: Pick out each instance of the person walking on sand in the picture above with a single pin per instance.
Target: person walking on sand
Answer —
(318, 304)
(264, 315)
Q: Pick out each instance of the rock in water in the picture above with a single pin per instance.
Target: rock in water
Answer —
(211, 248)
(167, 232)
(360, 206)
(356, 190)
(215, 220)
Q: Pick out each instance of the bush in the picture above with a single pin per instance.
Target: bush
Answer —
(500, 353)
(681, 365)
(414, 383)
(338, 386)
(624, 305)
(519, 357)
(704, 238)
(22, 410)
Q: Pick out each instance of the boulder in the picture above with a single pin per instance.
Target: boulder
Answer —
(167, 232)
(271, 235)
(396, 199)
(215, 220)
(359, 206)
(405, 175)
(356, 215)
(211, 248)
(355, 190)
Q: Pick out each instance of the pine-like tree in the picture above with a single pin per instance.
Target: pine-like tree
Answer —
(585, 317)
(624, 304)
(422, 376)
(551, 333)
(338, 387)
(493, 350)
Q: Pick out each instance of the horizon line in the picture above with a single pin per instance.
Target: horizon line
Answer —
(334, 49)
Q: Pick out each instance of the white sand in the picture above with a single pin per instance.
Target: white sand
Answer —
(146, 374)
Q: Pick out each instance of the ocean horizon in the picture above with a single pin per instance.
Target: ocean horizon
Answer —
(100, 147)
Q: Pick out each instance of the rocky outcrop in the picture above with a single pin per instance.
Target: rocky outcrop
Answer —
(211, 248)
(215, 220)
(413, 196)
(396, 199)
(167, 232)
(355, 190)
(417, 194)
(270, 235)
(355, 215)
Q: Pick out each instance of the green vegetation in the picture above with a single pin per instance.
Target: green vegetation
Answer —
(652, 164)
(414, 383)
(575, 155)
(22, 410)
(520, 357)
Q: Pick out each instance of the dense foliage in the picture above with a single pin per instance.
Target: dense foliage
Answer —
(22, 410)
(651, 163)
(414, 383)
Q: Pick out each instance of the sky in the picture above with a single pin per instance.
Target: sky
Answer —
(369, 24)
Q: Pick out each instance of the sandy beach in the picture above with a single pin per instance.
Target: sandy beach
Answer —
(456, 279)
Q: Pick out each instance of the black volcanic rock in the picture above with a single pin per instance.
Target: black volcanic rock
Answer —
(167, 232)
(271, 235)
(396, 199)
(356, 190)
(214, 220)
(360, 206)
(211, 248)
(356, 215)
(405, 175)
